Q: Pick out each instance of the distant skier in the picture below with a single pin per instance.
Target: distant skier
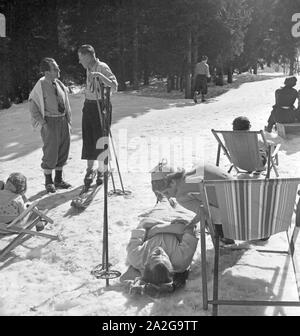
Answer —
(201, 74)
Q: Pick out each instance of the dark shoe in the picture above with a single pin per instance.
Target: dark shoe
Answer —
(89, 177)
(62, 184)
(203, 100)
(40, 226)
(227, 241)
(265, 239)
(50, 188)
(99, 179)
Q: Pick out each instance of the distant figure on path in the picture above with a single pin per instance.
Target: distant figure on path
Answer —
(50, 109)
(91, 126)
(284, 110)
(201, 74)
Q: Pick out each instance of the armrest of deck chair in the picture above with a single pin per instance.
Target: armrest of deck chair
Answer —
(42, 215)
(276, 149)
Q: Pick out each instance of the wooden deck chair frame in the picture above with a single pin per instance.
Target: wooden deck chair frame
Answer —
(281, 188)
(13, 228)
(249, 160)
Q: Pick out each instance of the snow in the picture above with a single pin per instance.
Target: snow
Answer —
(42, 277)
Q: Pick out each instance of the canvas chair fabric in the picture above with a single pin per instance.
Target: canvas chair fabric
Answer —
(249, 209)
(243, 151)
(25, 230)
(254, 209)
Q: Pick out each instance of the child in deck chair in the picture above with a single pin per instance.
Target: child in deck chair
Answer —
(11, 199)
(243, 124)
(161, 250)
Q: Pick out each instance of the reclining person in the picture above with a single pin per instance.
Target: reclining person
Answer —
(12, 197)
(284, 110)
(161, 250)
(174, 185)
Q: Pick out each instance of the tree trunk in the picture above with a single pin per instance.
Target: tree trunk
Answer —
(135, 58)
(229, 74)
(292, 63)
(188, 91)
(146, 69)
(121, 77)
(255, 68)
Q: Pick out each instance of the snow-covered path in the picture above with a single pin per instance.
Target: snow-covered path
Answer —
(53, 278)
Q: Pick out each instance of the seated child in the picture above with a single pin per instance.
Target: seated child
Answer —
(12, 202)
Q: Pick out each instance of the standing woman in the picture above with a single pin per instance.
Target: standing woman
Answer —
(91, 126)
(201, 74)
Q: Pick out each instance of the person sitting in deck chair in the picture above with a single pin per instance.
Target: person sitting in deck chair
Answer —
(12, 197)
(284, 110)
(175, 185)
(161, 250)
(243, 124)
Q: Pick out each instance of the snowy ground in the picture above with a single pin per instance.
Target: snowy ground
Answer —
(43, 277)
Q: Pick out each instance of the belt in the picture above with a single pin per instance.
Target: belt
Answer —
(56, 116)
(285, 107)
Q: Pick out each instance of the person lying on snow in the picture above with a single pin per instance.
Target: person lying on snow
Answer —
(161, 250)
(12, 199)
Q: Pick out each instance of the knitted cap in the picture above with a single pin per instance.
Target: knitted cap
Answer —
(19, 181)
(160, 171)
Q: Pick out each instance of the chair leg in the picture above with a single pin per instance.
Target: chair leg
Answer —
(218, 155)
(16, 241)
(216, 276)
(203, 262)
(230, 169)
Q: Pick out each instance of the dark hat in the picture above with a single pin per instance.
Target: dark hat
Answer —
(290, 81)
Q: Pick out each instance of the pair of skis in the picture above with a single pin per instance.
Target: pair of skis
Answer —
(86, 196)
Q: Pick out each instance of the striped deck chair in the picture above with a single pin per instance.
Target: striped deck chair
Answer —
(25, 231)
(249, 210)
(243, 151)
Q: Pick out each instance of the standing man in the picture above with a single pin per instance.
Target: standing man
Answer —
(91, 126)
(50, 109)
(201, 74)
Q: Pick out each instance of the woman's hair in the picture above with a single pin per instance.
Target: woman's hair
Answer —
(19, 182)
(241, 124)
(290, 81)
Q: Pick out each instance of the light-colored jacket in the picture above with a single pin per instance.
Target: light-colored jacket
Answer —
(180, 252)
(36, 95)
